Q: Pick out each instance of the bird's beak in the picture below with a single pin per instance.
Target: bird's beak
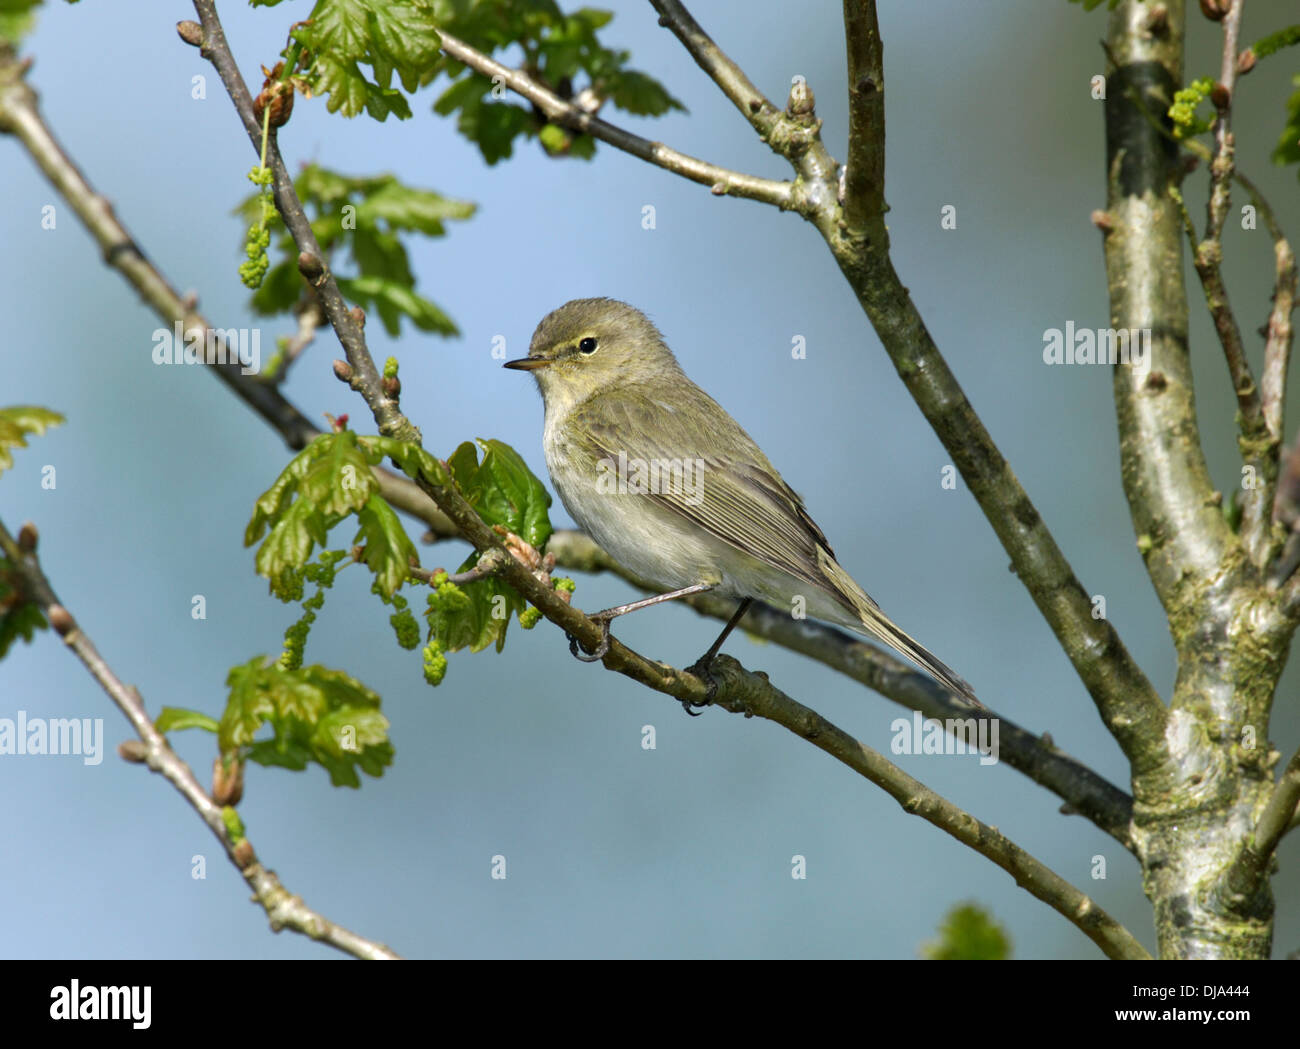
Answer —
(528, 364)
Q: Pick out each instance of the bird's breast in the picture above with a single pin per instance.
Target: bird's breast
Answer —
(645, 537)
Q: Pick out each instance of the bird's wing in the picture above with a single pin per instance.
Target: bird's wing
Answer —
(745, 502)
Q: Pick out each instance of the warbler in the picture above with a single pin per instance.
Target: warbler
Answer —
(658, 473)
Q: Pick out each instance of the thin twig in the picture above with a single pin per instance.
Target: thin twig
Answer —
(1277, 817)
(722, 181)
(283, 909)
(1259, 445)
(347, 324)
(1279, 332)
(794, 136)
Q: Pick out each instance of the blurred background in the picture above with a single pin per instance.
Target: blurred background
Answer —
(612, 850)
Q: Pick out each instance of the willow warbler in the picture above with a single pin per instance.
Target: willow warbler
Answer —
(669, 484)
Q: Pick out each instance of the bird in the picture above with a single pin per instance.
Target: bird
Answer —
(670, 485)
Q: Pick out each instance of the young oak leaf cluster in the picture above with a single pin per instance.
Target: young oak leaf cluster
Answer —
(326, 482)
(560, 51)
(509, 496)
(365, 216)
(398, 41)
(16, 423)
(316, 715)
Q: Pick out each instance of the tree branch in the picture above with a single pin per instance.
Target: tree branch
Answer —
(794, 134)
(1255, 440)
(1259, 444)
(388, 416)
(1083, 790)
(282, 908)
(1279, 332)
(730, 78)
(864, 182)
(722, 181)
(1181, 529)
(1251, 864)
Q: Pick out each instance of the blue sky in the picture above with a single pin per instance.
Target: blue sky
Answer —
(612, 850)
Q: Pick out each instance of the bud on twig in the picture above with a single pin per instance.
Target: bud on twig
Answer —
(343, 371)
(802, 101)
(61, 619)
(133, 750)
(243, 852)
(1103, 220)
(1246, 61)
(358, 315)
(277, 94)
(27, 537)
(1221, 97)
(227, 780)
(190, 32)
(1215, 10)
(311, 267)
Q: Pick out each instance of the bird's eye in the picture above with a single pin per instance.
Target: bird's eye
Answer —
(587, 345)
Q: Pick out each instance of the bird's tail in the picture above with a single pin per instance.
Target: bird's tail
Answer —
(878, 625)
(881, 626)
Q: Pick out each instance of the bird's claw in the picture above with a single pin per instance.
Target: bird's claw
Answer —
(701, 671)
(601, 649)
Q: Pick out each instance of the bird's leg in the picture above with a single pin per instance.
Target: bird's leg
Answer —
(605, 615)
(700, 668)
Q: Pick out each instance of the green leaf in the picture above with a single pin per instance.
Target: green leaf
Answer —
(641, 95)
(393, 300)
(366, 217)
(472, 616)
(503, 490)
(16, 423)
(389, 551)
(969, 932)
(18, 618)
(390, 36)
(494, 126)
(316, 715)
(1288, 146)
(327, 481)
(175, 719)
(17, 18)
(1275, 42)
(413, 459)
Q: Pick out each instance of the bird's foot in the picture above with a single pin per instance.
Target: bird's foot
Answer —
(700, 669)
(601, 649)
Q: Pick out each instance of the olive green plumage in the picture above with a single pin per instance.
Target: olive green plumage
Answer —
(618, 403)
